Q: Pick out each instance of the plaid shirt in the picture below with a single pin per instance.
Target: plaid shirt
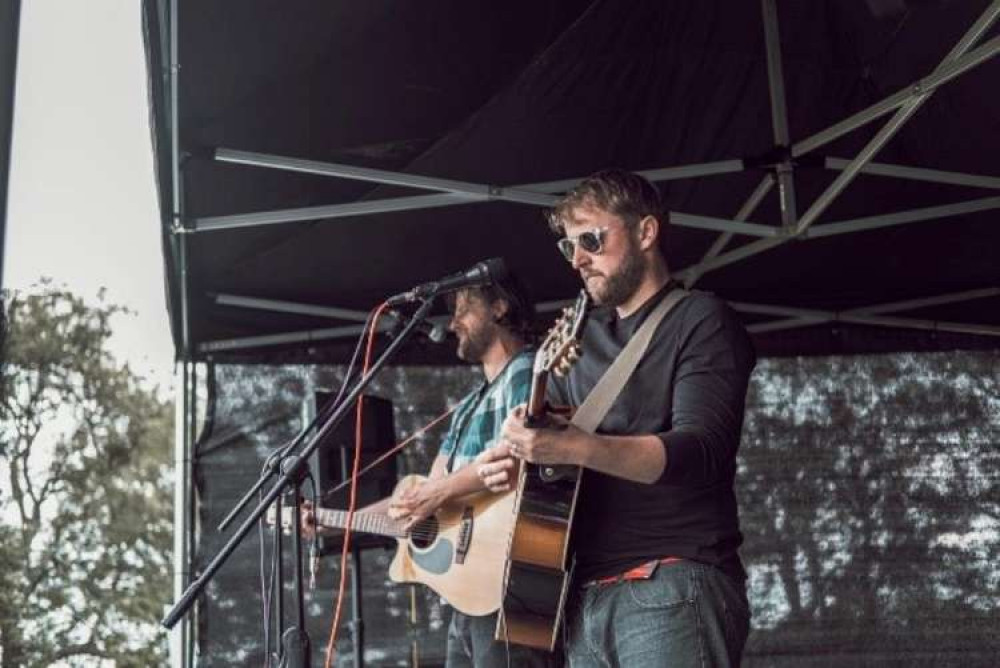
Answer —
(475, 426)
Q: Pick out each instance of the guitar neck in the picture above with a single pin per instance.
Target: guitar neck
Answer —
(374, 523)
(536, 400)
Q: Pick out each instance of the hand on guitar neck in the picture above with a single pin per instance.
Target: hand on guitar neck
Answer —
(309, 527)
(549, 440)
(407, 506)
(535, 432)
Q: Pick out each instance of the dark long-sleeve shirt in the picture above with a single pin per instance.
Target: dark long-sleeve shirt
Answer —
(689, 389)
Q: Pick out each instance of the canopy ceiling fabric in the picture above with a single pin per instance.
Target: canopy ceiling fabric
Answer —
(532, 92)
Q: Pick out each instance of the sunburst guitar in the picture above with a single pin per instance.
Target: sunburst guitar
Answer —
(538, 569)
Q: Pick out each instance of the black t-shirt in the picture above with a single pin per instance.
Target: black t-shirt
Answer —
(689, 389)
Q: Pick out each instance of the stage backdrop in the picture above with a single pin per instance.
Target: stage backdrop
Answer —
(868, 490)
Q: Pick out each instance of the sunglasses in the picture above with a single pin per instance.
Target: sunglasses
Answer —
(591, 241)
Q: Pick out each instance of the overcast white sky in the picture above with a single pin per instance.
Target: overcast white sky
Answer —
(82, 207)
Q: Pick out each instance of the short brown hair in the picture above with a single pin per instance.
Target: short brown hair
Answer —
(617, 191)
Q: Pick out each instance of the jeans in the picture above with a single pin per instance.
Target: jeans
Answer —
(685, 614)
(470, 643)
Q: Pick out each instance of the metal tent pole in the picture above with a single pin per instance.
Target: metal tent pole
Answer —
(181, 641)
(456, 192)
(920, 174)
(779, 113)
(952, 66)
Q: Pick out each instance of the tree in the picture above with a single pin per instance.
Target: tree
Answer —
(85, 532)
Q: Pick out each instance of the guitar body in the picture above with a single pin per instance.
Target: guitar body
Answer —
(539, 572)
(461, 551)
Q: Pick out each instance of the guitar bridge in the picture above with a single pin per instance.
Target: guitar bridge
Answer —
(464, 535)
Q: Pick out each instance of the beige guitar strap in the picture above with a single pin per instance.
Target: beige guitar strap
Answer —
(591, 412)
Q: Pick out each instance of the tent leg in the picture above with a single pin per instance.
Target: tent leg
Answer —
(181, 637)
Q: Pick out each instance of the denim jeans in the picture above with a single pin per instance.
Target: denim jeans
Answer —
(470, 643)
(686, 614)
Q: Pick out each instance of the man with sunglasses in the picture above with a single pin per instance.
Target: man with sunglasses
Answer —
(657, 579)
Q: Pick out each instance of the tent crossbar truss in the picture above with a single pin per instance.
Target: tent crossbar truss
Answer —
(792, 317)
(907, 101)
(920, 174)
(952, 66)
(451, 192)
(389, 322)
(447, 192)
(872, 315)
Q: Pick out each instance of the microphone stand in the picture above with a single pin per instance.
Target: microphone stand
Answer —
(292, 470)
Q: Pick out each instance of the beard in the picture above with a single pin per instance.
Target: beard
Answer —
(473, 346)
(617, 288)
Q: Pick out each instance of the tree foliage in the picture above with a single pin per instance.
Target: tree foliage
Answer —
(85, 478)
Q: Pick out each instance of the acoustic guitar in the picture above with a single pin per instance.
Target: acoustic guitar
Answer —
(459, 552)
(538, 569)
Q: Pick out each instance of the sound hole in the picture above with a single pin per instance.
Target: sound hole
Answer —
(424, 532)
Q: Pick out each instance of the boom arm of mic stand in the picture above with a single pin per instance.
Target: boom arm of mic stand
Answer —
(187, 599)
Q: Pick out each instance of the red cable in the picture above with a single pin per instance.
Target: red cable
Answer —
(331, 644)
(389, 453)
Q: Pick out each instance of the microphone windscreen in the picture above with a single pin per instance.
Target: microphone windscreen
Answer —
(496, 268)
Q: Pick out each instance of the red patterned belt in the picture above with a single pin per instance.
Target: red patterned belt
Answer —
(640, 572)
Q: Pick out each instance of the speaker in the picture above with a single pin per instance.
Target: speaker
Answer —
(333, 461)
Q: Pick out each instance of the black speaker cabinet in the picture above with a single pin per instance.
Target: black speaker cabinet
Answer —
(332, 463)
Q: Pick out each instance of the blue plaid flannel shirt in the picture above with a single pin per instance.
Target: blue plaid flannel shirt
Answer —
(475, 426)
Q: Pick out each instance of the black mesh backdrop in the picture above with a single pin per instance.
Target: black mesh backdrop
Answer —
(258, 409)
(869, 491)
(869, 497)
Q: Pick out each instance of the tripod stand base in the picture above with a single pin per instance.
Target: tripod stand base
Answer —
(295, 648)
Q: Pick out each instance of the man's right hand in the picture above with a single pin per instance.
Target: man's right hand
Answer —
(496, 467)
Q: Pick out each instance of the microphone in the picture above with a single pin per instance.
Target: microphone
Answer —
(480, 274)
(434, 330)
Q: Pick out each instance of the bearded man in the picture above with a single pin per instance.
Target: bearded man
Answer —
(658, 580)
(491, 324)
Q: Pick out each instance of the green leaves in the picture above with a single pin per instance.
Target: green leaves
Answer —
(84, 455)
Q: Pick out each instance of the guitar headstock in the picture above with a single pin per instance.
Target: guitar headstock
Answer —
(561, 347)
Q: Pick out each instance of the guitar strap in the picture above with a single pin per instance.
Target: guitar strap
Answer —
(591, 412)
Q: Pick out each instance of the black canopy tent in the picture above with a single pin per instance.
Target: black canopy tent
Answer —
(10, 23)
(449, 126)
(827, 166)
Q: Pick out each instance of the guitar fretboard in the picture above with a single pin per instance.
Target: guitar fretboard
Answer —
(375, 523)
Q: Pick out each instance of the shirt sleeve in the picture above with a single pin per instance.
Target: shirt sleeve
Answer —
(713, 368)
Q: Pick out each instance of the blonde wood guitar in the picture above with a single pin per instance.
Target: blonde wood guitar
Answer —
(460, 552)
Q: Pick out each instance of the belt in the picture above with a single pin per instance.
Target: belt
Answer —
(640, 572)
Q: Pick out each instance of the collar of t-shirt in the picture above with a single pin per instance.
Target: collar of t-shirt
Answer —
(622, 329)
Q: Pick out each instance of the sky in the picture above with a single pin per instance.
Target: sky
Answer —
(82, 204)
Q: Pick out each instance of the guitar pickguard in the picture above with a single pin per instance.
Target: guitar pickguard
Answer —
(437, 559)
